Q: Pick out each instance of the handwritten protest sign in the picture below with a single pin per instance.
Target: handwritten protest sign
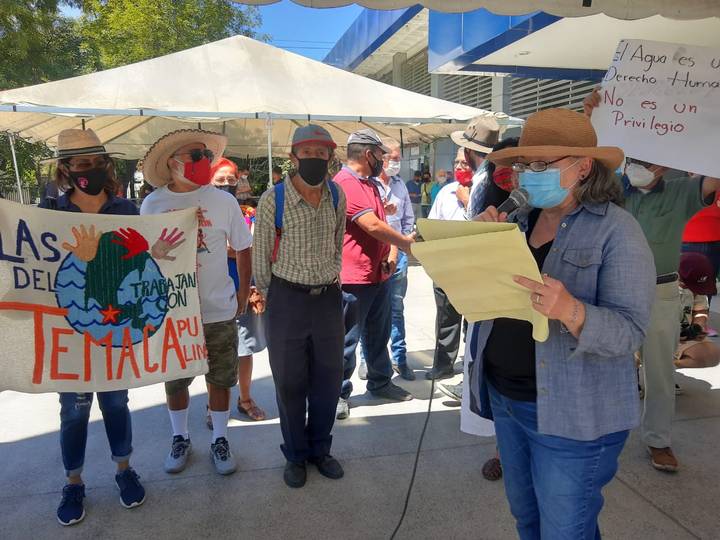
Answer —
(661, 104)
(94, 302)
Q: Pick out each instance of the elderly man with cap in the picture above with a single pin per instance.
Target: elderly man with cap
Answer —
(469, 184)
(299, 231)
(369, 260)
(662, 205)
(179, 166)
(399, 214)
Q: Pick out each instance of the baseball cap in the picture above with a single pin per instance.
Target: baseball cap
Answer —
(697, 273)
(313, 134)
(367, 136)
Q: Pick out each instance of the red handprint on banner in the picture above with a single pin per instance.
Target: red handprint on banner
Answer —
(166, 243)
(132, 241)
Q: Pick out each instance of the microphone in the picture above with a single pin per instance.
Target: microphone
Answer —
(519, 198)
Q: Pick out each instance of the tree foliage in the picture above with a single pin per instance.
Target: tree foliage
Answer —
(127, 31)
(40, 43)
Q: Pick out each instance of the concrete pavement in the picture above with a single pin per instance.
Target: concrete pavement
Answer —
(377, 447)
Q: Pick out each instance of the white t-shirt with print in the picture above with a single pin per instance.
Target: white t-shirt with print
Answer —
(222, 224)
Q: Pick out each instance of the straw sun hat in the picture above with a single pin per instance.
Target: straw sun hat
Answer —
(558, 133)
(78, 142)
(155, 167)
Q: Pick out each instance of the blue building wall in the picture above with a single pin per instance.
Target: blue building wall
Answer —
(456, 40)
(371, 29)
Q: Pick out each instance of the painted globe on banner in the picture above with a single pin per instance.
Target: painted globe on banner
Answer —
(110, 294)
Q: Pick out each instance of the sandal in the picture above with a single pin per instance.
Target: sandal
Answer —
(492, 470)
(249, 408)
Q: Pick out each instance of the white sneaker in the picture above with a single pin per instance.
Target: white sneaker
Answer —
(177, 459)
(222, 456)
(343, 409)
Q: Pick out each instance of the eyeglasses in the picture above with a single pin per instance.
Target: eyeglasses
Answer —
(197, 154)
(225, 179)
(534, 166)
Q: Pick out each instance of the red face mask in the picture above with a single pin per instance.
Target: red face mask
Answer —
(198, 172)
(503, 178)
(464, 177)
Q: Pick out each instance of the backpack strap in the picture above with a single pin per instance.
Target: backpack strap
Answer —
(279, 211)
(334, 193)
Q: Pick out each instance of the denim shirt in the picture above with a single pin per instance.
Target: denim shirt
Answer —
(396, 193)
(587, 387)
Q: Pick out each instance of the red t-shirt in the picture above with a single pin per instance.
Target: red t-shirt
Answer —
(705, 225)
(362, 254)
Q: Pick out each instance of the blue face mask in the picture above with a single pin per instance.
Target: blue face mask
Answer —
(544, 187)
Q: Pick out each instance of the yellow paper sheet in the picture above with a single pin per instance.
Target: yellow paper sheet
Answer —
(473, 262)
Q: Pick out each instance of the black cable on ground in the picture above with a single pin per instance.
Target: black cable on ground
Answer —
(415, 465)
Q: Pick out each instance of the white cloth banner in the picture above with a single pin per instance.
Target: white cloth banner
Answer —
(92, 302)
(661, 104)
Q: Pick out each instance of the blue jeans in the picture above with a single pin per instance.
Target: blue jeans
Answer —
(398, 290)
(367, 311)
(554, 485)
(74, 418)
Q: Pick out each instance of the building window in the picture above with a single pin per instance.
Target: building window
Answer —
(471, 90)
(415, 76)
(531, 95)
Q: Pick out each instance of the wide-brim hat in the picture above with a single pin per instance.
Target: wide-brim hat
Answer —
(481, 134)
(78, 142)
(558, 133)
(155, 167)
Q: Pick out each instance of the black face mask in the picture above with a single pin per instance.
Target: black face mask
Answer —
(377, 168)
(230, 189)
(313, 170)
(91, 181)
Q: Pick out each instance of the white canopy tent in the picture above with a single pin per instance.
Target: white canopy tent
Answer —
(619, 9)
(253, 92)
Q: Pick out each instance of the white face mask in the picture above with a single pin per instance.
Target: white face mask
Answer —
(393, 168)
(638, 175)
(441, 179)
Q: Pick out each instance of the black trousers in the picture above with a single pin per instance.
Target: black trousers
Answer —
(448, 323)
(305, 335)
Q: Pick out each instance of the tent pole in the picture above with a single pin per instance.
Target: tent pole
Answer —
(11, 138)
(269, 149)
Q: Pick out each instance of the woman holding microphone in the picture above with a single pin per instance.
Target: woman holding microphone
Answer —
(563, 408)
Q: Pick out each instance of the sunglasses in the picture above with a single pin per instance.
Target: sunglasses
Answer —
(197, 154)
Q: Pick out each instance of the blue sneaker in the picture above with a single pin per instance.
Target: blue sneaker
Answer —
(132, 493)
(71, 510)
